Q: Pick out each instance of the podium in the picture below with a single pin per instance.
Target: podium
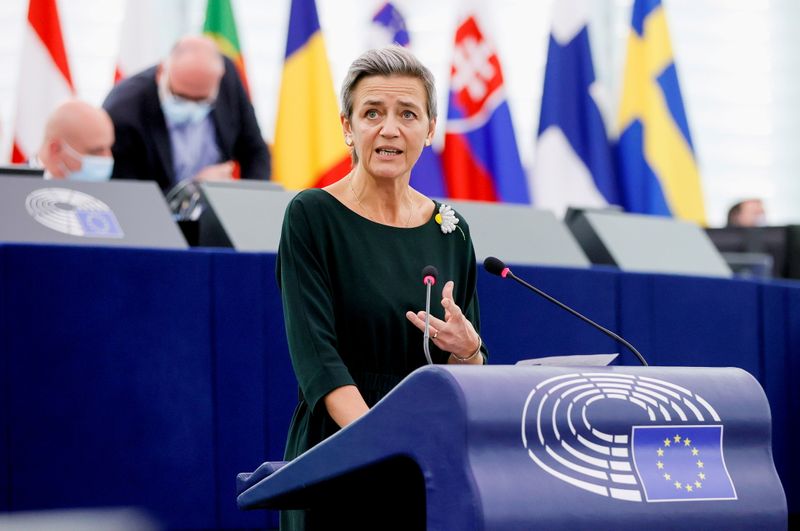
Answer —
(519, 448)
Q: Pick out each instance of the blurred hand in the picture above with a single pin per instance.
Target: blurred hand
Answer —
(216, 172)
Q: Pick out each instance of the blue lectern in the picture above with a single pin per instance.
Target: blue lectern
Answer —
(502, 448)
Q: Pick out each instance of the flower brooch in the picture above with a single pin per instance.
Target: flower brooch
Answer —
(447, 220)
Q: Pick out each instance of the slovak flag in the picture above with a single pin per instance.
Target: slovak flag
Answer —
(389, 27)
(480, 156)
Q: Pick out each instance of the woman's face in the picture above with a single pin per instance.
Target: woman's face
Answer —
(389, 125)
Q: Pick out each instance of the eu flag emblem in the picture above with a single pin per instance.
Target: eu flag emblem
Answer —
(99, 224)
(681, 463)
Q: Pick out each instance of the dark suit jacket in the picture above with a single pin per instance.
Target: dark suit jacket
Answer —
(142, 149)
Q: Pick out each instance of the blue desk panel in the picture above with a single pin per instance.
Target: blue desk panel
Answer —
(150, 378)
(110, 380)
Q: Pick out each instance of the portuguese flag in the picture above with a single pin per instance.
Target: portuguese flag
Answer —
(220, 25)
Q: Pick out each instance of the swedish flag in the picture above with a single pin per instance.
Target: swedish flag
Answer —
(681, 463)
(657, 167)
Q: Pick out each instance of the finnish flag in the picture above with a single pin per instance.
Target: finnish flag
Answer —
(574, 161)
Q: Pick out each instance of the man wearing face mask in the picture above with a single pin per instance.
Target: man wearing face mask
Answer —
(77, 144)
(187, 118)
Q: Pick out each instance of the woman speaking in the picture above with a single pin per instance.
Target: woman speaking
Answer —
(351, 256)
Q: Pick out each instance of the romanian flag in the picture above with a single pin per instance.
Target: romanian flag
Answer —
(657, 168)
(309, 144)
(220, 25)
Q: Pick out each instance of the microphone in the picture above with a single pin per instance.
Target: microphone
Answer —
(496, 266)
(429, 274)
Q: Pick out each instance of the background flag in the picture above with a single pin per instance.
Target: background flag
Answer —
(480, 156)
(309, 144)
(574, 164)
(389, 27)
(139, 42)
(220, 25)
(44, 80)
(658, 172)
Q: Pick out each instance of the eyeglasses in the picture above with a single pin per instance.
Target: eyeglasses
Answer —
(166, 91)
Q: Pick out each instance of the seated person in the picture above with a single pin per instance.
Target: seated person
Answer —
(77, 143)
(747, 213)
(187, 118)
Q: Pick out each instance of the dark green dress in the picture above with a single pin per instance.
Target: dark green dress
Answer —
(346, 284)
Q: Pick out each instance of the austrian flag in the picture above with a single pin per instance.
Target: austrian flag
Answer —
(480, 156)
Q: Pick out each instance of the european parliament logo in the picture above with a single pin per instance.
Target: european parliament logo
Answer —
(73, 212)
(676, 455)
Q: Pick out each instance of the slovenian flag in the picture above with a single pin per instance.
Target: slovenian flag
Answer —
(309, 145)
(389, 27)
(657, 167)
(480, 156)
(574, 163)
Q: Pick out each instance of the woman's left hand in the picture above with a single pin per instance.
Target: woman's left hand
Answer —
(455, 334)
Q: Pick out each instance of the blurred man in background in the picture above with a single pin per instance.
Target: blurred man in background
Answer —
(747, 213)
(189, 118)
(77, 143)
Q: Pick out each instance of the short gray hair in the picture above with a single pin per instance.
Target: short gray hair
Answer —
(388, 61)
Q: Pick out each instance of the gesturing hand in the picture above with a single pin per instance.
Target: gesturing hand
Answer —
(455, 334)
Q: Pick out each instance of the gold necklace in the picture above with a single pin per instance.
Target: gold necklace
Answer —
(411, 206)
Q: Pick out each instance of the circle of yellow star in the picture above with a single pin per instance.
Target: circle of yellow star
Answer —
(660, 464)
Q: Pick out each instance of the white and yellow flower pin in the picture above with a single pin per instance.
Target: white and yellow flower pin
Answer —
(447, 220)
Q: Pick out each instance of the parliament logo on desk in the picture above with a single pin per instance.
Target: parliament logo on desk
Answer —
(73, 212)
(676, 457)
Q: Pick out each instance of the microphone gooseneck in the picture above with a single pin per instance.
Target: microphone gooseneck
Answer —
(429, 274)
(495, 266)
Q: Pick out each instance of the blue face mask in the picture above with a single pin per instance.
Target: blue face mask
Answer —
(93, 168)
(179, 111)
